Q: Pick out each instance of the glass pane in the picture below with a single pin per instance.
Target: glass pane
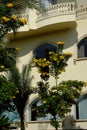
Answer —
(83, 110)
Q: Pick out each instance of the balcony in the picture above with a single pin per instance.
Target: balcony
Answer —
(62, 15)
(56, 10)
(54, 18)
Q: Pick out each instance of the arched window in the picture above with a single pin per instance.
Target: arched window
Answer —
(82, 48)
(34, 112)
(43, 50)
(81, 108)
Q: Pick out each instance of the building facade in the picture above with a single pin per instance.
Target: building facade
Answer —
(62, 20)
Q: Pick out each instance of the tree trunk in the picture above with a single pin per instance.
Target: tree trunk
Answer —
(22, 123)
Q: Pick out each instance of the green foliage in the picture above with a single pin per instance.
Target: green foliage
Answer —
(20, 5)
(8, 17)
(7, 91)
(58, 61)
(7, 57)
(58, 99)
(22, 81)
(10, 20)
(19, 89)
(4, 123)
(9, 14)
(55, 123)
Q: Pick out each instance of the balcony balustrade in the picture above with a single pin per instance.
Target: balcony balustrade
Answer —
(81, 13)
(56, 10)
(61, 9)
(63, 15)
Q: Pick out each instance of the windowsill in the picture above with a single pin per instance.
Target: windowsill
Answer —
(81, 120)
(79, 59)
(75, 120)
(43, 121)
(48, 121)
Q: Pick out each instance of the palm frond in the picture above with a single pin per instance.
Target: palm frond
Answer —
(34, 4)
(4, 122)
(26, 77)
(19, 6)
(15, 75)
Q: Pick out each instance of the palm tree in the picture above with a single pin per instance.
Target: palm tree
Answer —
(23, 83)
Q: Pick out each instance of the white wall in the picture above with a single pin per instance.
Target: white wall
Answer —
(74, 71)
(81, 2)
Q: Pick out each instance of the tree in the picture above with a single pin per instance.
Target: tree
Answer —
(22, 81)
(7, 91)
(9, 14)
(7, 58)
(10, 21)
(58, 99)
(4, 123)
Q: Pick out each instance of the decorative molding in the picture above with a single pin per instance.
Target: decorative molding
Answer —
(81, 13)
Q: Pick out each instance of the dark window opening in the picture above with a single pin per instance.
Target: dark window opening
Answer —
(33, 111)
(53, 2)
(43, 50)
(77, 111)
(82, 48)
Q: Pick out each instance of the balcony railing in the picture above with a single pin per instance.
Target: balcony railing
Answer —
(56, 10)
(81, 13)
